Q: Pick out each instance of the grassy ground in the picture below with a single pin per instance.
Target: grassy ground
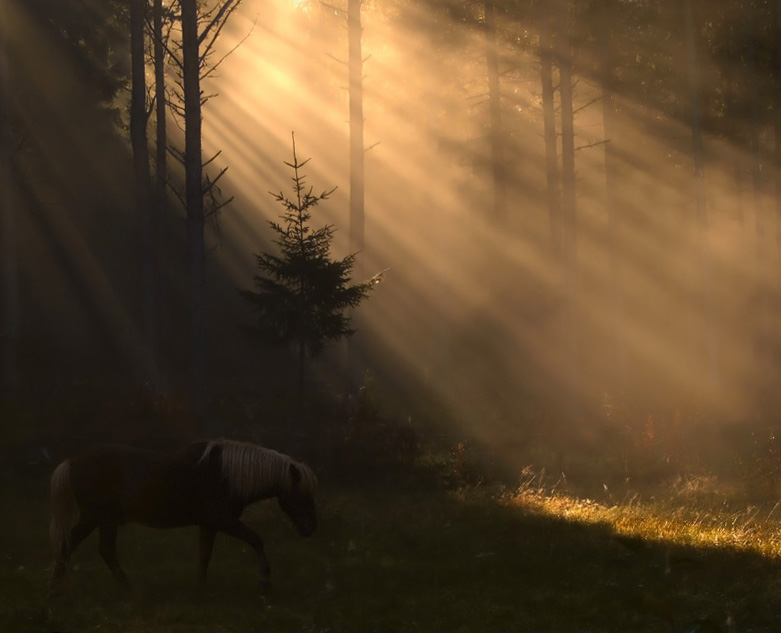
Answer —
(407, 558)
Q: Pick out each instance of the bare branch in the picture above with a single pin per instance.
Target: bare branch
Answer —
(216, 21)
(176, 153)
(208, 162)
(178, 195)
(334, 9)
(594, 144)
(218, 24)
(230, 52)
(587, 104)
(336, 59)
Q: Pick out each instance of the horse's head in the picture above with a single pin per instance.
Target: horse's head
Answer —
(298, 504)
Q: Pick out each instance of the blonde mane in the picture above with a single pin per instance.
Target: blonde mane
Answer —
(252, 470)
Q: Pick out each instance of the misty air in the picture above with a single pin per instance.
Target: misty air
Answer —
(482, 298)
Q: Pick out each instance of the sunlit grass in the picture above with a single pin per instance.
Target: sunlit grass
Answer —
(689, 513)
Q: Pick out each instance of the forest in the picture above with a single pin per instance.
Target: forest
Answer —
(576, 207)
(560, 222)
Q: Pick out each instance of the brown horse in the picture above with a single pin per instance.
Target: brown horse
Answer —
(207, 484)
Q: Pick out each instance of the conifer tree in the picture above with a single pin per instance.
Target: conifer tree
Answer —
(302, 294)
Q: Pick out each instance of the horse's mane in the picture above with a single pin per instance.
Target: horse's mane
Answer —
(251, 470)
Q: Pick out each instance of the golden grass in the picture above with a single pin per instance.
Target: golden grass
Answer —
(681, 515)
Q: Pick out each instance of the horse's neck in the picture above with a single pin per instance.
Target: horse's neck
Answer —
(259, 494)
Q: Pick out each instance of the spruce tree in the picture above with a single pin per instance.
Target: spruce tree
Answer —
(301, 294)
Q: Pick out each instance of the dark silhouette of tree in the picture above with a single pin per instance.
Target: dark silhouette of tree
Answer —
(496, 131)
(142, 179)
(607, 64)
(9, 289)
(191, 74)
(546, 53)
(699, 184)
(202, 25)
(302, 293)
(355, 65)
(160, 19)
(776, 73)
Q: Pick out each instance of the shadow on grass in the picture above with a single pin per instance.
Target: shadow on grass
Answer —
(387, 560)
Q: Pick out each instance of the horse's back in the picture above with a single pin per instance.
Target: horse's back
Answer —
(124, 484)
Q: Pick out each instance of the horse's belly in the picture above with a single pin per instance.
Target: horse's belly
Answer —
(163, 514)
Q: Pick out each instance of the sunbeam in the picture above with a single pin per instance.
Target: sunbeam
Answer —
(652, 295)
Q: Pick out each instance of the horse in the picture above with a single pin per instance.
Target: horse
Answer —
(208, 484)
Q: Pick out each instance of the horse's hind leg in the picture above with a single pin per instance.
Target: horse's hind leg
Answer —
(78, 533)
(108, 551)
(207, 535)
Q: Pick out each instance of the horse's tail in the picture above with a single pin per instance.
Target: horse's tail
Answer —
(63, 507)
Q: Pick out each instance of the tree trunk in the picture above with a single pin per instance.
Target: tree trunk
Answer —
(9, 292)
(570, 336)
(777, 123)
(161, 153)
(569, 200)
(495, 117)
(762, 312)
(697, 155)
(161, 162)
(357, 173)
(194, 201)
(754, 131)
(139, 142)
(549, 127)
(355, 64)
(301, 370)
(613, 227)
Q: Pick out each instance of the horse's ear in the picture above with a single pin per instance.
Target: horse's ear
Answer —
(295, 475)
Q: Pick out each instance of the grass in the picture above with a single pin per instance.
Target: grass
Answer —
(409, 558)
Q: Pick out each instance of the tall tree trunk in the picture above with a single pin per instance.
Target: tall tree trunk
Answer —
(495, 116)
(777, 122)
(756, 160)
(357, 171)
(762, 313)
(161, 134)
(569, 199)
(711, 370)
(549, 131)
(140, 144)
(9, 291)
(569, 212)
(161, 159)
(357, 180)
(613, 226)
(194, 200)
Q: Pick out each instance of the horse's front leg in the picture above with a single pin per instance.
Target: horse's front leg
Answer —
(206, 547)
(108, 551)
(240, 531)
